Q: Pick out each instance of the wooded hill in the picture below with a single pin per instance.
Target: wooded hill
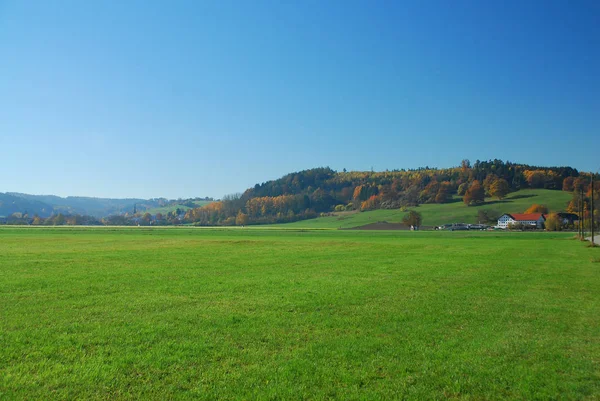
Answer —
(309, 193)
(51, 205)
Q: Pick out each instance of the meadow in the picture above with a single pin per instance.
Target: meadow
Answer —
(184, 313)
(438, 214)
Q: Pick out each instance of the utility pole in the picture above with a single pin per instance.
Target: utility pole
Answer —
(578, 217)
(592, 208)
(582, 218)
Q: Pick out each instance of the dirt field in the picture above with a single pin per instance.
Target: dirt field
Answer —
(384, 225)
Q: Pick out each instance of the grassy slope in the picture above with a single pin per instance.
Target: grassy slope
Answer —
(166, 209)
(434, 214)
(270, 314)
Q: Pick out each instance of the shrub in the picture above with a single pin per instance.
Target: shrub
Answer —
(553, 223)
(515, 226)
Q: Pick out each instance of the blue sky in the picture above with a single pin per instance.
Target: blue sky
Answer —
(199, 98)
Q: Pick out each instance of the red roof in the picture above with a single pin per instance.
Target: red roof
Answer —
(528, 216)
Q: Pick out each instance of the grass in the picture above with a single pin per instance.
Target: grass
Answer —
(436, 214)
(281, 314)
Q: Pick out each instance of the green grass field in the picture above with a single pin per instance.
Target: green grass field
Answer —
(184, 313)
(436, 214)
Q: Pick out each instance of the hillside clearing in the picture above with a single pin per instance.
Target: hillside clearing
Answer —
(438, 214)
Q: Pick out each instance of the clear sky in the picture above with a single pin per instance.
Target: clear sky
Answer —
(204, 98)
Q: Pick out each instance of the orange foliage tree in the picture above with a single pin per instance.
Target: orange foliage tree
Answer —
(535, 208)
(475, 194)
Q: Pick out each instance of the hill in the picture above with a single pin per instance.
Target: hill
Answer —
(310, 193)
(10, 204)
(438, 214)
(47, 205)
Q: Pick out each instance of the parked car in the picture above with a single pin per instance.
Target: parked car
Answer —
(444, 227)
(459, 227)
(477, 227)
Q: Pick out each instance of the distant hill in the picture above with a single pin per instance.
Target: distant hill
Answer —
(97, 207)
(47, 205)
(10, 204)
(308, 194)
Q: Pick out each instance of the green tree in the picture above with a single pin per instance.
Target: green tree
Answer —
(59, 220)
(146, 218)
(412, 218)
(487, 216)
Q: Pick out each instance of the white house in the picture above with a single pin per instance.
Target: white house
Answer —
(529, 219)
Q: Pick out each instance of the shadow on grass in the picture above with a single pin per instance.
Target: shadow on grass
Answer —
(496, 202)
(511, 199)
(523, 196)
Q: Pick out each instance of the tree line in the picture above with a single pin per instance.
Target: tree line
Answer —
(127, 219)
(319, 191)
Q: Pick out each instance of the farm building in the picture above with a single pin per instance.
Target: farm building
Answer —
(529, 219)
(568, 218)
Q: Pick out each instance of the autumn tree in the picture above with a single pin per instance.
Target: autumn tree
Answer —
(580, 183)
(443, 194)
(370, 203)
(489, 181)
(568, 184)
(412, 218)
(499, 188)
(475, 194)
(241, 219)
(535, 178)
(535, 208)
(553, 222)
(361, 193)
